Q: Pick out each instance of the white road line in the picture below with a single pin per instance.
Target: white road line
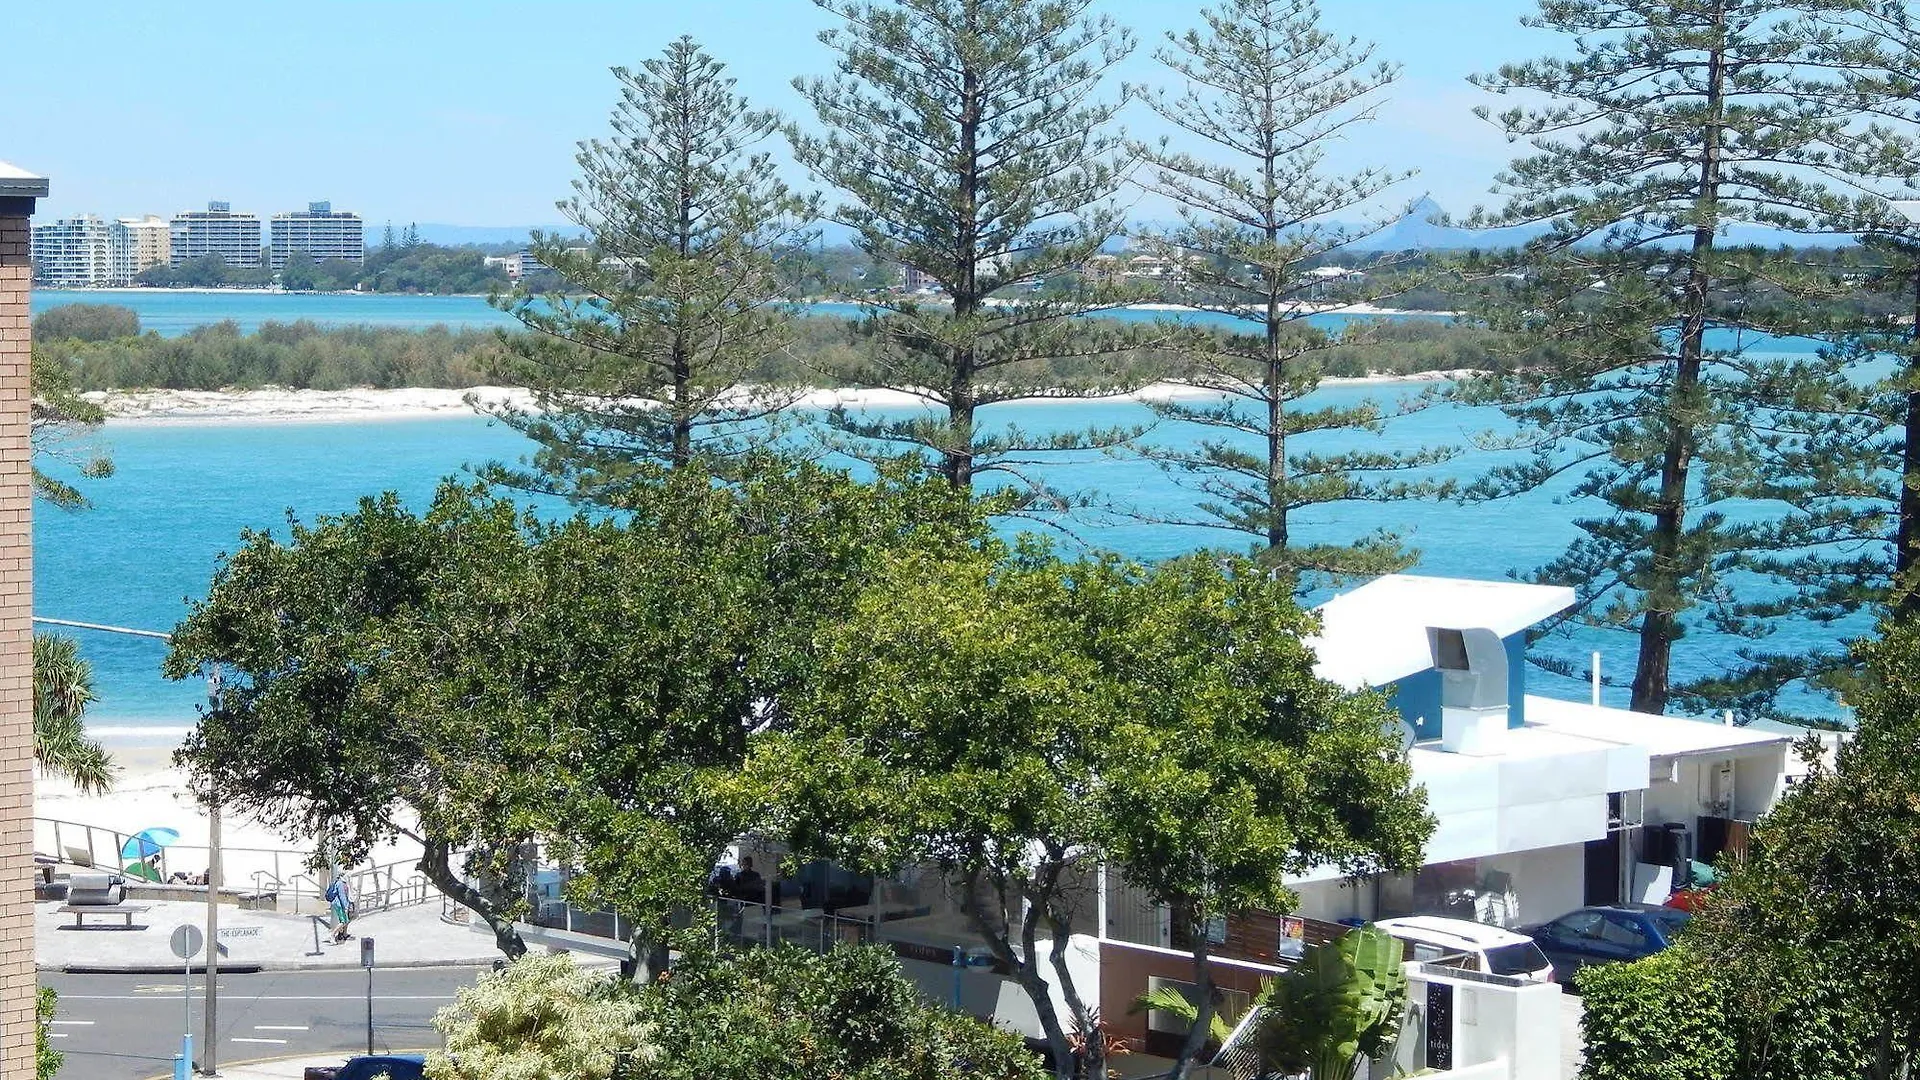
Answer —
(56, 1034)
(280, 1027)
(307, 997)
(275, 1042)
(70, 1023)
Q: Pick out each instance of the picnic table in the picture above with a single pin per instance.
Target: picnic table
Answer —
(81, 911)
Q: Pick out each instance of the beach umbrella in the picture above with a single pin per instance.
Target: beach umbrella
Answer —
(148, 842)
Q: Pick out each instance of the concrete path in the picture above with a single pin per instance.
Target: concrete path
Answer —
(1572, 1047)
(255, 940)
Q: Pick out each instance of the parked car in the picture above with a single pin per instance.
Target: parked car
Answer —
(1606, 933)
(1491, 949)
(369, 1066)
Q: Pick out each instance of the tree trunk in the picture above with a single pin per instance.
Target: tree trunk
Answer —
(958, 459)
(1659, 624)
(1026, 971)
(436, 864)
(1202, 1028)
(1093, 1059)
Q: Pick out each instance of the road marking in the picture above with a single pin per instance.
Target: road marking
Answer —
(303, 997)
(280, 1027)
(71, 1023)
(56, 1034)
(275, 1042)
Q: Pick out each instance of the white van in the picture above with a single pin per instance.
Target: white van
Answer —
(1487, 948)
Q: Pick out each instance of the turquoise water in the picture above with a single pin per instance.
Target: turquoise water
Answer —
(173, 312)
(183, 493)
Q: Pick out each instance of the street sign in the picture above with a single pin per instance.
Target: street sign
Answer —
(186, 941)
(230, 933)
(366, 952)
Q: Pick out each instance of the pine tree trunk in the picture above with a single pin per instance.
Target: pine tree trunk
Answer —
(1659, 625)
(958, 463)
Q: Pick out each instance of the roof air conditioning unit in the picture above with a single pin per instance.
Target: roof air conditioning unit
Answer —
(1473, 688)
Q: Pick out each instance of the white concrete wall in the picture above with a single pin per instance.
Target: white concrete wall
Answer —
(1759, 782)
(1547, 883)
(1510, 1032)
(992, 997)
(1335, 900)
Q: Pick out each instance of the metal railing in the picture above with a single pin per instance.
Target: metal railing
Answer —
(270, 871)
(744, 922)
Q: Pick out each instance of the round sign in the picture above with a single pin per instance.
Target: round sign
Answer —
(186, 941)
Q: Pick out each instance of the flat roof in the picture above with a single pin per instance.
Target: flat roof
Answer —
(1378, 632)
(1661, 736)
(16, 182)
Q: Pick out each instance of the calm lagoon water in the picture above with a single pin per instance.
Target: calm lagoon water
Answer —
(183, 493)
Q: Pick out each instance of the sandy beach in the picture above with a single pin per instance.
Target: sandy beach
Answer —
(151, 792)
(282, 405)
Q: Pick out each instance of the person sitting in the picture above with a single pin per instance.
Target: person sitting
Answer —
(748, 884)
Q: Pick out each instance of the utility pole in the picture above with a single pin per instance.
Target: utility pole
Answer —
(210, 1045)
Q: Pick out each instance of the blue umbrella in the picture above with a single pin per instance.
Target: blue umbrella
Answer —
(147, 843)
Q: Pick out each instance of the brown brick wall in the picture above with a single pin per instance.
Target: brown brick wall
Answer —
(17, 977)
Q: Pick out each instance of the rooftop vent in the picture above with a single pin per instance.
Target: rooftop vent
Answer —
(1473, 688)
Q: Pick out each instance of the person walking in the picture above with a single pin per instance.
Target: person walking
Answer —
(340, 899)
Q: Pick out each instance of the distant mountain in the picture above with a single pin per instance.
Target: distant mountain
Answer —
(1422, 228)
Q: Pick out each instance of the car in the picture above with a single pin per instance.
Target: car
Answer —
(1606, 933)
(392, 1066)
(1491, 949)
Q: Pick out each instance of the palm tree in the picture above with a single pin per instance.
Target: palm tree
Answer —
(62, 690)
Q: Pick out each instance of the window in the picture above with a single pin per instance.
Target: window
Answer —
(1624, 931)
(1231, 1005)
(1522, 958)
(1580, 924)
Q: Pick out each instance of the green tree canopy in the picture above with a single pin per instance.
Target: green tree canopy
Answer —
(1024, 718)
(969, 141)
(1666, 122)
(86, 322)
(1267, 92)
(647, 335)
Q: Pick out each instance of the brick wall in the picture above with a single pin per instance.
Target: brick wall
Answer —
(17, 978)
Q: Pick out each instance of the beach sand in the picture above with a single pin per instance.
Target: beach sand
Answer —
(151, 792)
(280, 405)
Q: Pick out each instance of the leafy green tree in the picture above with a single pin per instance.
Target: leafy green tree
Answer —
(1268, 91)
(1024, 719)
(635, 663)
(648, 333)
(542, 1018)
(789, 1014)
(46, 1060)
(1672, 121)
(1231, 765)
(305, 736)
(62, 691)
(301, 273)
(86, 322)
(968, 139)
(58, 426)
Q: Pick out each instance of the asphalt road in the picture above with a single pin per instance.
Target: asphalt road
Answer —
(127, 1027)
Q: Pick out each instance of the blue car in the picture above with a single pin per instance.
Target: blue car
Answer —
(1605, 934)
(393, 1066)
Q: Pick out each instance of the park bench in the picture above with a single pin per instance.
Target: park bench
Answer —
(81, 911)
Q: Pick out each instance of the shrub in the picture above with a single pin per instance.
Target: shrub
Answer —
(1661, 1018)
(86, 322)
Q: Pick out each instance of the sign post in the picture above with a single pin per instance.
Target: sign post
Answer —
(210, 1050)
(366, 961)
(185, 942)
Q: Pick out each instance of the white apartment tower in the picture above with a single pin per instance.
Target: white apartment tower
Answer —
(152, 239)
(217, 230)
(322, 232)
(82, 252)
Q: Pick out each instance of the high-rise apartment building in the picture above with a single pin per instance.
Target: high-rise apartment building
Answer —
(217, 230)
(82, 252)
(152, 239)
(322, 232)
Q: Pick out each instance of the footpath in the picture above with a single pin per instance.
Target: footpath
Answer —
(255, 940)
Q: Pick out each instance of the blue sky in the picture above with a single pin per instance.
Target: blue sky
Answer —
(466, 111)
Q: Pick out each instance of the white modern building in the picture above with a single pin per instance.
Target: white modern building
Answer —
(320, 231)
(151, 237)
(217, 230)
(83, 252)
